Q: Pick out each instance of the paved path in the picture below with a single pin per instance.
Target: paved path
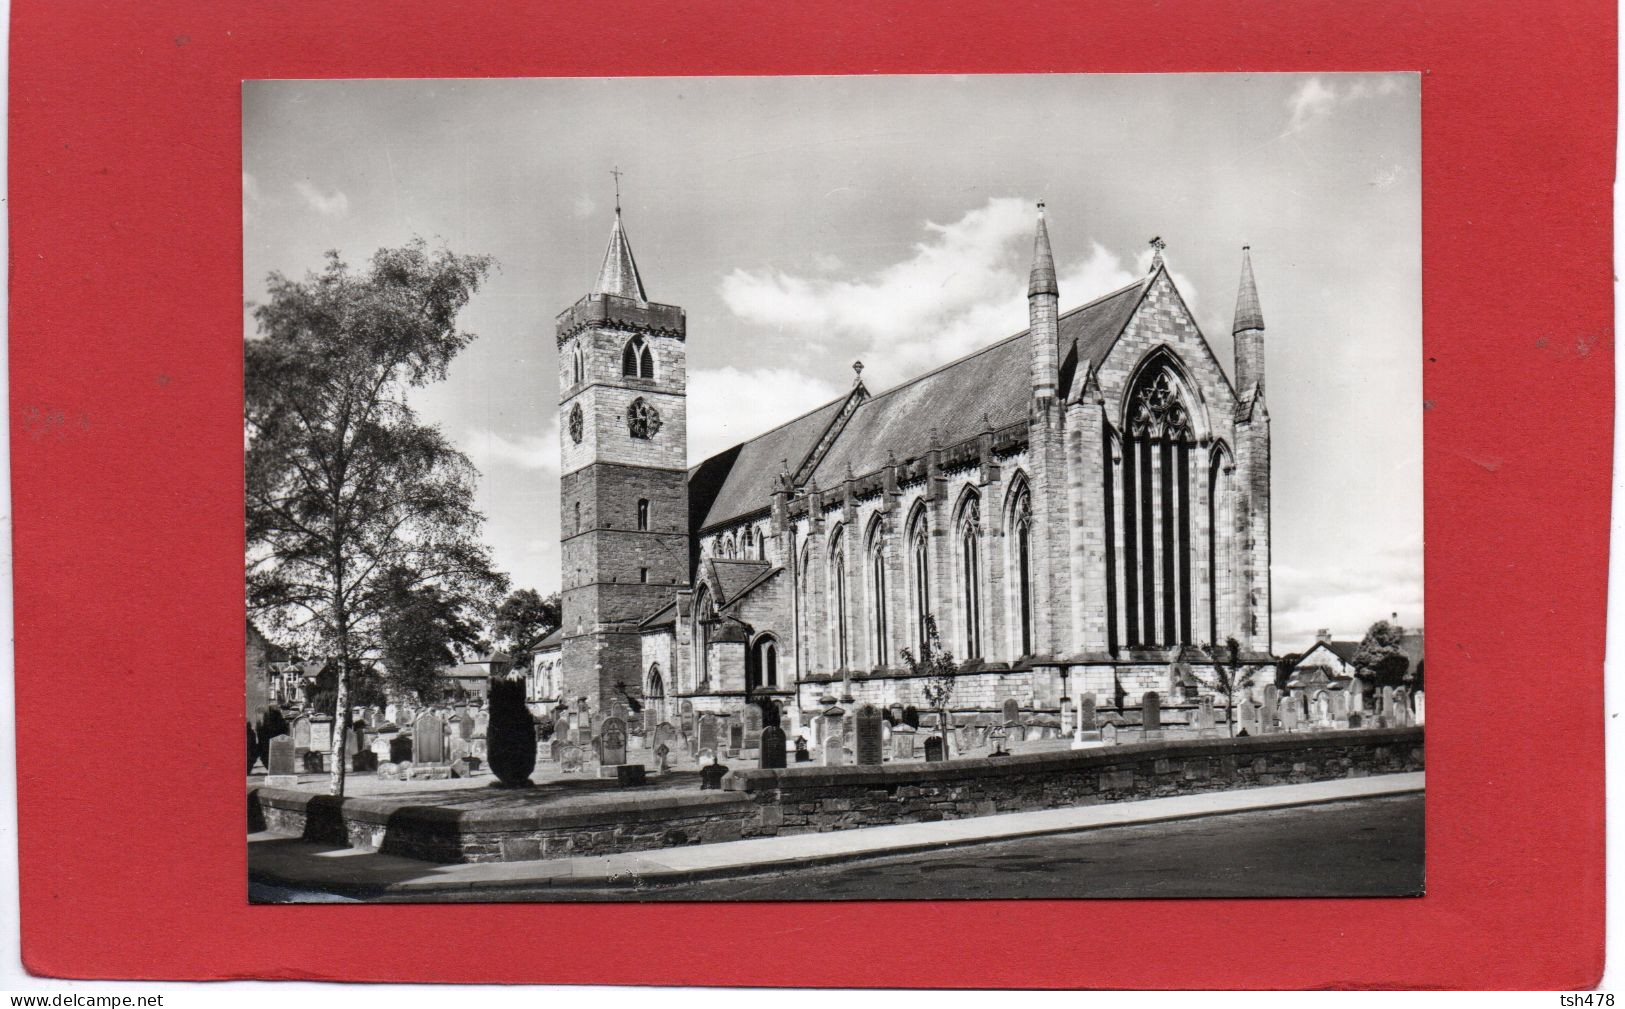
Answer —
(306, 866)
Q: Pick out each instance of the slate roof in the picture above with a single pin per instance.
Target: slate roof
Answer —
(619, 274)
(553, 639)
(734, 577)
(994, 381)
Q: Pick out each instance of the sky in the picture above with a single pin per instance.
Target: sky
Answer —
(805, 223)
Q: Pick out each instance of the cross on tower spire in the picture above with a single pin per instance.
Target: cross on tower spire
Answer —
(616, 171)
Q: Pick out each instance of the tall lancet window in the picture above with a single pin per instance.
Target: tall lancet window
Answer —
(1157, 510)
(919, 555)
(580, 366)
(703, 614)
(878, 597)
(837, 584)
(1021, 530)
(970, 577)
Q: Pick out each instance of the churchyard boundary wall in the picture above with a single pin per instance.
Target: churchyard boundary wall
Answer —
(807, 798)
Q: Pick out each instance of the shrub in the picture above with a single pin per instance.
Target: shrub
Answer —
(510, 734)
(272, 724)
(253, 747)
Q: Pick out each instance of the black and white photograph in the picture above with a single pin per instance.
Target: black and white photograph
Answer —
(833, 488)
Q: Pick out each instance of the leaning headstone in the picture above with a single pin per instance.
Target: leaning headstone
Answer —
(612, 742)
(280, 767)
(772, 745)
(428, 739)
(902, 741)
(933, 749)
(870, 747)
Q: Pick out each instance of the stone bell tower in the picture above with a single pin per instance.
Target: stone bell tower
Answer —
(623, 425)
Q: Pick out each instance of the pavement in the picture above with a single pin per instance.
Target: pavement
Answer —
(303, 867)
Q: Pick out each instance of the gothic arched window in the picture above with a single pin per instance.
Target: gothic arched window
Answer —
(837, 581)
(637, 360)
(580, 364)
(703, 614)
(642, 419)
(762, 668)
(878, 600)
(1157, 444)
(970, 577)
(919, 552)
(1021, 527)
(748, 542)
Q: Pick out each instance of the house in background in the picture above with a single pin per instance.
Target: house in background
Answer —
(1329, 662)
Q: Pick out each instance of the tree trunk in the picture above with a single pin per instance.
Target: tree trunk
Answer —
(341, 727)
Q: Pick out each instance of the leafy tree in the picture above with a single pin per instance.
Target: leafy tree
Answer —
(1230, 677)
(522, 619)
(421, 627)
(939, 669)
(345, 485)
(1283, 668)
(1380, 657)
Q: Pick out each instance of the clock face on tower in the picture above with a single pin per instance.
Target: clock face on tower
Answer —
(642, 419)
(575, 423)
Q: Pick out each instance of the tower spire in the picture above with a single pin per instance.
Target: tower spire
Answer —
(1248, 314)
(1042, 280)
(619, 274)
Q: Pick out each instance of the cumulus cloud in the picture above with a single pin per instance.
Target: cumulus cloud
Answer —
(491, 448)
(1347, 598)
(334, 204)
(728, 405)
(584, 206)
(961, 287)
(1315, 99)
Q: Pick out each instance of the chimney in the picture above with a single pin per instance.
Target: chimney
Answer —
(1324, 636)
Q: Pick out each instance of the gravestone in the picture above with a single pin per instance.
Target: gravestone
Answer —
(1289, 716)
(400, 749)
(1205, 723)
(281, 772)
(1151, 715)
(482, 722)
(751, 720)
(830, 726)
(708, 732)
(1320, 706)
(736, 736)
(321, 733)
(1066, 716)
(911, 715)
(665, 734)
(1108, 734)
(428, 739)
(1338, 702)
(1419, 708)
(870, 748)
(685, 719)
(705, 757)
(1086, 712)
(1271, 711)
(571, 757)
(301, 732)
(933, 749)
(902, 742)
(1386, 704)
(1012, 711)
(1355, 689)
(772, 746)
(612, 742)
(381, 747)
(896, 712)
(465, 725)
(662, 756)
(803, 756)
(391, 713)
(834, 751)
(555, 748)
(1356, 720)
(1402, 707)
(1248, 718)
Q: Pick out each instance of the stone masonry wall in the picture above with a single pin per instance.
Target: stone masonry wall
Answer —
(806, 799)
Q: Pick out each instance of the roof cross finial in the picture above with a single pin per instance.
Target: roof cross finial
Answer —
(1157, 245)
(616, 171)
(857, 372)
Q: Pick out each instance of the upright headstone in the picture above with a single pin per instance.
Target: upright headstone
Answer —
(1402, 707)
(428, 739)
(1066, 716)
(833, 751)
(1386, 704)
(1321, 709)
(391, 713)
(321, 733)
(571, 757)
(1416, 703)
(902, 741)
(465, 725)
(869, 748)
(1289, 715)
(1086, 712)
(1108, 734)
(933, 749)
(1012, 711)
(1206, 725)
(612, 742)
(1151, 715)
(1355, 688)
(280, 767)
(773, 747)
(665, 734)
(831, 726)
(707, 739)
(301, 732)
(1271, 711)
(736, 736)
(896, 712)
(1247, 718)
(751, 719)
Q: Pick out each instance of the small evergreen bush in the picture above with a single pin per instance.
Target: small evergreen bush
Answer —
(510, 734)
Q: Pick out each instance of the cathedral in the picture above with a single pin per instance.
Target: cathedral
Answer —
(1083, 506)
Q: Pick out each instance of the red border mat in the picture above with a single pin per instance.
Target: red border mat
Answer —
(126, 405)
